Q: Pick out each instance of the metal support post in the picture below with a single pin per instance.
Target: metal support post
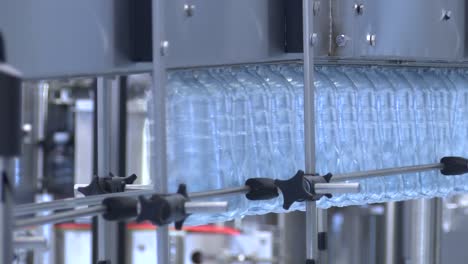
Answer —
(10, 145)
(107, 152)
(425, 229)
(309, 128)
(158, 167)
(393, 250)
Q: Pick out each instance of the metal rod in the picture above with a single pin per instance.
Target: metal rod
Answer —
(386, 172)
(323, 188)
(60, 217)
(73, 202)
(158, 170)
(30, 242)
(220, 192)
(309, 126)
(6, 245)
(206, 207)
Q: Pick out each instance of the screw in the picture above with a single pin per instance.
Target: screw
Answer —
(313, 39)
(316, 7)
(371, 39)
(446, 15)
(341, 40)
(359, 8)
(164, 47)
(189, 10)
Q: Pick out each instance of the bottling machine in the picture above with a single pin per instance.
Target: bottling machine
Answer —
(253, 107)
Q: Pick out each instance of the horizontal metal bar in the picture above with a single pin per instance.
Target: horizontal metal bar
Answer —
(206, 207)
(190, 208)
(386, 172)
(128, 187)
(30, 242)
(60, 217)
(73, 202)
(324, 188)
(146, 190)
(220, 192)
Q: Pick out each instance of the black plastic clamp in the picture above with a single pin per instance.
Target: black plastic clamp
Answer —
(300, 188)
(454, 165)
(120, 208)
(108, 184)
(164, 209)
(261, 189)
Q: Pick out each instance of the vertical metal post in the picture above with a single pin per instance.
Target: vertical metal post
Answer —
(309, 127)
(6, 171)
(158, 167)
(107, 142)
(10, 144)
(292, 248)
(425, 231)
(393, 233)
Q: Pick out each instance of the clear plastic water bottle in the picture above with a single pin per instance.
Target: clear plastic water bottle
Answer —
(388, 130)
(191, 151)
(459, 143)
(222, 135)
(424, 129)
(294, 75)
(347, 133)
(406, 137)
(282, 134)
(372, 188)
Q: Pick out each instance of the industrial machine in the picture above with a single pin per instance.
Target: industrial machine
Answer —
(138, 116)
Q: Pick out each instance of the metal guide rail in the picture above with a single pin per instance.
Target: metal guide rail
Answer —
(163, 209)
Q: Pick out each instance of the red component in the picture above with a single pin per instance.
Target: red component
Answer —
(73, 226)
(208, 229)
(203, 229)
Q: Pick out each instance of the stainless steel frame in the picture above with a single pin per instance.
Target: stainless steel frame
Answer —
(158, 168)
(108, 148)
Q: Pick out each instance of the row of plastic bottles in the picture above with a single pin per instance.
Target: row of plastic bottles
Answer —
(225, 125)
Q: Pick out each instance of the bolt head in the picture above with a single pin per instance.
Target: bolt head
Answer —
(164, 48)
(341, 40)
(313, 39)
(446, 15)
(359, 9)
(189, 10)
(371, 39)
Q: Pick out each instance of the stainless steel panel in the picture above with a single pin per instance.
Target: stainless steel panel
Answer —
(52, 38)
(322, 38)
(401, 29)
(225, 32)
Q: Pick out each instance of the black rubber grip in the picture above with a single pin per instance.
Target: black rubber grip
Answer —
(120, 208)
(454, 165)
(261, 189)
(322, 241)
(310, 261)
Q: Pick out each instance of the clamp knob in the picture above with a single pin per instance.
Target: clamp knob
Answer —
(164, 209)
(301, 188)
(108, 184)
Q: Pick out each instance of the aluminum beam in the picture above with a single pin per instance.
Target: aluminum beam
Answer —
(158, 168)
(309, 127)
(108, 149)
